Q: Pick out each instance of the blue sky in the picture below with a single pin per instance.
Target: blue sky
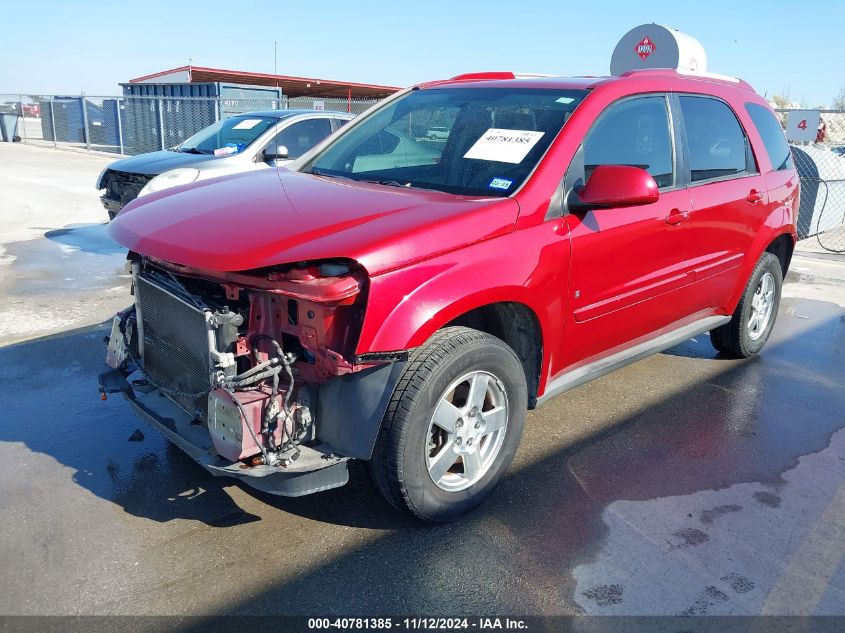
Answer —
(83, 45)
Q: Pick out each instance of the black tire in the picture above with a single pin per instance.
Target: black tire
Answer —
(733, 338)
(399, 463)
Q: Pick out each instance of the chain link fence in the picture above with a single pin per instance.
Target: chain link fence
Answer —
(128, 125)
(821, 168)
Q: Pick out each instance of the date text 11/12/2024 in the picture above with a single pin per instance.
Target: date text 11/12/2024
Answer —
(418, 624)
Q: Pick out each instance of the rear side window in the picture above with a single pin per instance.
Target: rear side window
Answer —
(339, 123)
(633, 132)
(302, 136)
(715, 139)
(769, 129)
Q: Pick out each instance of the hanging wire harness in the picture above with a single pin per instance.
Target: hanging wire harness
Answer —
(272, 454)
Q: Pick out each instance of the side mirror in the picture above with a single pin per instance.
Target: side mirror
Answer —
(275, 152)
(611, 186)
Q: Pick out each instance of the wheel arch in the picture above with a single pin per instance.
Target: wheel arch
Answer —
(490, 286)
(779, 241)
(506, 313)
(516, 324)
(782, 247)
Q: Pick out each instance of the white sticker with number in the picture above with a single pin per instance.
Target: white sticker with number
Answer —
(802, 125)
(504, 146)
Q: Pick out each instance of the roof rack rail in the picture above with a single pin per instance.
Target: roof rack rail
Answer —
(493, 75)
(698, 74)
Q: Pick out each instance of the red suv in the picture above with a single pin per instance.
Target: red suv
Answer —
(404, 300)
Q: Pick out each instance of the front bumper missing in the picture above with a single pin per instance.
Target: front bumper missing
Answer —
(111, 206)
(316, 469)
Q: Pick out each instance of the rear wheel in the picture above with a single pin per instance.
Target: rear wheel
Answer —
(453, 425)
(752, 322)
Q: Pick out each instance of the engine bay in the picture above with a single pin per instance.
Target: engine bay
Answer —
(243, 353)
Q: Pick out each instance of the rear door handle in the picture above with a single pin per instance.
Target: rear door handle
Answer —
(677, 216)
(754, 197)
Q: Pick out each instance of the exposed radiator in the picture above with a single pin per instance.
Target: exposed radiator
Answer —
(176, 345)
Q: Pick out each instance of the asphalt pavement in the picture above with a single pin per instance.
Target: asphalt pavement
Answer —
(684, 484)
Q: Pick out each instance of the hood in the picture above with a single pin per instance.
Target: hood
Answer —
(159, 162)
(269, 217)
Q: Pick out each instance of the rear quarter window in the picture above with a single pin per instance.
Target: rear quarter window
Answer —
(772, 134)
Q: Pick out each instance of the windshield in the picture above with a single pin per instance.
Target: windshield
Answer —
(228, 136)
(472, 141)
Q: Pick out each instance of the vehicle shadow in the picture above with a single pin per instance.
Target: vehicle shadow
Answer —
(697, 347)
(700, 346)
(747, 421)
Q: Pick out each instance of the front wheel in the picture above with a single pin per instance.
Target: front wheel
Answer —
(453, 425)
(752, 321)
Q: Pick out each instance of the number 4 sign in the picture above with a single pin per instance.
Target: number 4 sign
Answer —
(802, 125)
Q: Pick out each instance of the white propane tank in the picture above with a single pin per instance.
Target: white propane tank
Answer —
(658, 46)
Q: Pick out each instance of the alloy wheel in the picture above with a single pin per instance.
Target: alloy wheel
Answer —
(466, 431)
(762, 306)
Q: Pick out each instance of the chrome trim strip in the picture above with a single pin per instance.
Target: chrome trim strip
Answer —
(603, 366)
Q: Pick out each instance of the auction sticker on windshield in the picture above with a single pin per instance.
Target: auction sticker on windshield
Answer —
(504, 146)
(246, 124)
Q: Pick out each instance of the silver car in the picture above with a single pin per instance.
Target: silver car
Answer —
(239, 143)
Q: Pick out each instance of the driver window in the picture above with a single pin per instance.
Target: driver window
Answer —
(633, 132)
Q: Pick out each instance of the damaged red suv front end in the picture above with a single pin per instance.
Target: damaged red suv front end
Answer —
(228, 366)
(232, 355)
(252, 366)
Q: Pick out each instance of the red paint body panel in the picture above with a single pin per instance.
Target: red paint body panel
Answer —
(596, 281)
(622, 257)
(416, 301)
(259, 219)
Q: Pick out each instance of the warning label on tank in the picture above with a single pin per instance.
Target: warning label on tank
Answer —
(645, 48)
(504, 146)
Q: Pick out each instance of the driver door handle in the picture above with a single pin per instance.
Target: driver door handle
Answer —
(676, 216)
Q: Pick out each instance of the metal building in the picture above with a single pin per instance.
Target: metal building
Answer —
(290, 86)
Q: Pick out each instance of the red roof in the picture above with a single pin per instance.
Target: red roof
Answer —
(508, 80)
(291, 86)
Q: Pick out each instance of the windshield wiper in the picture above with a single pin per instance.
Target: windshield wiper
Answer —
(319, 172)
(390, 183)
(192, 150)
